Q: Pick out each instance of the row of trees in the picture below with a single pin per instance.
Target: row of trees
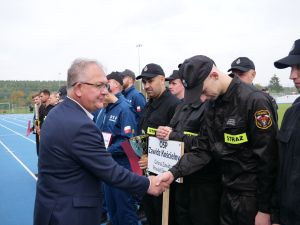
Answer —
(18, 93)
(276, 88)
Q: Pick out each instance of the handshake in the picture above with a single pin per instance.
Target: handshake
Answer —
(160, 183)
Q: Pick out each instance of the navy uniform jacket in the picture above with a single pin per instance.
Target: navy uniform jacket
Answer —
(119, 120)
(137, 100)
(72, 164)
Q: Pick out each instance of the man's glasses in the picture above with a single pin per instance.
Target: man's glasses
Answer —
(100, 86)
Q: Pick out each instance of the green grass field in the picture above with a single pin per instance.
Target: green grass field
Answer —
(19, 110)
(281, 110)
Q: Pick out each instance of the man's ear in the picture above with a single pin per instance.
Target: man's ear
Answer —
(214, 75)
(77, 90)
(162, 79)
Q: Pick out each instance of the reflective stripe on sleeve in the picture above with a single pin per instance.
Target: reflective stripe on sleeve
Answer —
(190, 133)
(151, 131)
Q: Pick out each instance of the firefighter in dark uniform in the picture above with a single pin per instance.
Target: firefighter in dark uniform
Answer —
(44, 109)
(241, 138)
(289, 147)
(197, 199)
(175, 85)
(244, 68)
(158, 111)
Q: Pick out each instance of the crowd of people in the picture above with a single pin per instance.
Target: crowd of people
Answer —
(43, 102)
(237, 166)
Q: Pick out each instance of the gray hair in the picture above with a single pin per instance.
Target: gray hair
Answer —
(76, 72)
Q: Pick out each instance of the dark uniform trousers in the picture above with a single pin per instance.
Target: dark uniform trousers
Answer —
(196, 204)
(238, 209)
(197, 199)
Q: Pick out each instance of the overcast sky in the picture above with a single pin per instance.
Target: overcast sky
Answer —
(39, 39)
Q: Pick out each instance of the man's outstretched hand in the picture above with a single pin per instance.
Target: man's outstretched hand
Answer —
(166, 177)
(157, 186)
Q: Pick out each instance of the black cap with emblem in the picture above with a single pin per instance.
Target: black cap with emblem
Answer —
(151, 70)
(243, 64)
(173, 76)
(117, 76)
(193, 71)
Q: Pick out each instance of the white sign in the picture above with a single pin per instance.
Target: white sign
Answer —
(162, 155)
(106, 138)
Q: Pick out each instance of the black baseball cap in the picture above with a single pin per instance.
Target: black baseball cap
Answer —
(173, 76)
(292, 59)
(117, 76)
(243, 64)
(128, 73)
(193, 71)
(151, 70)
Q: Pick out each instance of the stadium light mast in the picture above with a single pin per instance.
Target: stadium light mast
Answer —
(139, 61)
(139, 58)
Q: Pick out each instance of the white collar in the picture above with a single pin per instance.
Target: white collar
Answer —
(87, 112)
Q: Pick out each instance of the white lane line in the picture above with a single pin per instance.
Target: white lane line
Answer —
(7, 135)
(14, 123)
(13, 118)
(17, 133)
(16, 158)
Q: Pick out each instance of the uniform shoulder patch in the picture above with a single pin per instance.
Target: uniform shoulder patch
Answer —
(263, 119)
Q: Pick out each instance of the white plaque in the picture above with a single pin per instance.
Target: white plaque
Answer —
(162, 155)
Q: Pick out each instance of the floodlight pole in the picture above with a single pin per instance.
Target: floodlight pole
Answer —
(139, 61)
(139, 58)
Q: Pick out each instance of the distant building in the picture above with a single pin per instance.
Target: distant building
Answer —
(286, 99)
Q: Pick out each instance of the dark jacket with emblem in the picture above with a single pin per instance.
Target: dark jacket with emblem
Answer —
(289, 173)
(241, 136)
(188, 126)
(158, 112)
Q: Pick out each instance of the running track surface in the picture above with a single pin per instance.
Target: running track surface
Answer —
(18, 164)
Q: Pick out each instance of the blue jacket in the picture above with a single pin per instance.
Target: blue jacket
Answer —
(136, 99)
(118, 119)
(72, 163)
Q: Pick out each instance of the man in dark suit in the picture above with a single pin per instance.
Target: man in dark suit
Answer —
(73, 160)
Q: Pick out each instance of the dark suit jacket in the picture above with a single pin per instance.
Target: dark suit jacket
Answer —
(72, 164)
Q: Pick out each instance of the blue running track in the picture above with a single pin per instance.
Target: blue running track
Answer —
(18, 164)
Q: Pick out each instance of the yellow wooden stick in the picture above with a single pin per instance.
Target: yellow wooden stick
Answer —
(165, 207)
